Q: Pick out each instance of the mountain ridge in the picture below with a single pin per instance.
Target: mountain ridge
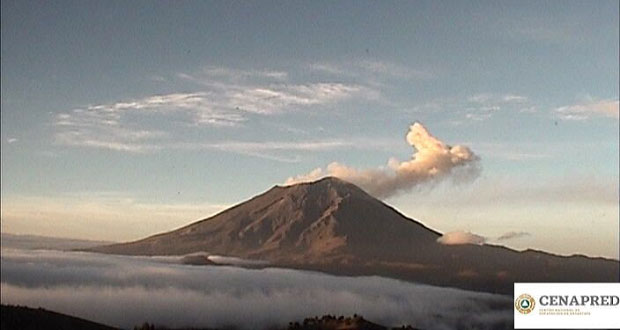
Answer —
(272, 220)
(334, 226)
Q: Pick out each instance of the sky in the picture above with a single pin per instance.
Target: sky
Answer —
(125, 119)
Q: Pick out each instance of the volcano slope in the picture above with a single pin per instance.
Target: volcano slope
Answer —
(333, 226)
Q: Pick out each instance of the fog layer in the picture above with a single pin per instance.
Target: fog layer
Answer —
(126, 291)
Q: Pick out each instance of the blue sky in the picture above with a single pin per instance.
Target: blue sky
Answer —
(122, 119)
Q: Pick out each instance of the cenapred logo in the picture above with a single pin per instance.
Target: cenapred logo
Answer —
(525, 303)
(566, 305)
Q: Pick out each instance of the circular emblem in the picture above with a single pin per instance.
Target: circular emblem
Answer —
(525, 304)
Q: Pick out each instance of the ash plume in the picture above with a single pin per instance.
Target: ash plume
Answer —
(432, 161)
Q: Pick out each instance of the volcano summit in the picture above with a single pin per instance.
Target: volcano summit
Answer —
(333, 226)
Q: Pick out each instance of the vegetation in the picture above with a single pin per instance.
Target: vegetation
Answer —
(331, 322)
(25, 318)
(326, 322)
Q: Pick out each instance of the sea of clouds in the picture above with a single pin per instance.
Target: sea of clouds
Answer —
(126, 291)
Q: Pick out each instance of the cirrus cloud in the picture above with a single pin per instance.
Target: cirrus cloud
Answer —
(594, 108)
(223, 98)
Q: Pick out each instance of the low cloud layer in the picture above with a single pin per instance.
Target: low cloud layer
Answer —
(461, 237)
(125, 291)
(432, 160)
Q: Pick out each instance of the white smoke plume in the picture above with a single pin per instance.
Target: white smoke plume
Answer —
(432, 160)
(461, 237)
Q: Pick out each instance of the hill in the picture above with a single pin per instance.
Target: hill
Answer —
(25, 318)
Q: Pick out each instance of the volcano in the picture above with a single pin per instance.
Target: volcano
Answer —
(334, 226)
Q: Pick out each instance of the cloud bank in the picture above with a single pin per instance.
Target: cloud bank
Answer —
(461, 237)
(126, 291)
(432, 160)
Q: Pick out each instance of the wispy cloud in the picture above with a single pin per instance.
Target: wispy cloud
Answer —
(371, 70)
(247, 91)
(482, 106)
(112, 138)
(558, 29)
(142, 142)
(543, 31)
(271, 145)
(224, 98)
(477, 107)
(275, 99)
(286, 151)
(513, 235)
(242, 75)
(329, 68)
(272, 150)
(486, 98)
(11, 140)
(392, 69)
(121, 125)
(593, 108)
(510, 151)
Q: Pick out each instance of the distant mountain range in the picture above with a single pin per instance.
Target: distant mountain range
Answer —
(333, 226)
(35, 242)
